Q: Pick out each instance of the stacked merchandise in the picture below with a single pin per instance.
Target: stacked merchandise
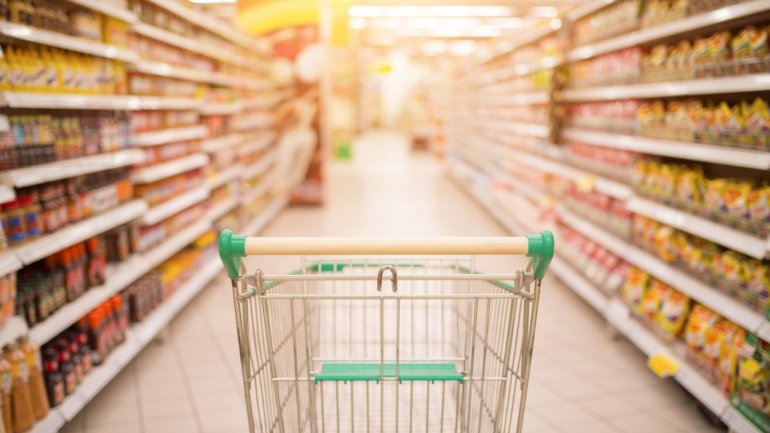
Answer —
(123, 143)
(660, 175)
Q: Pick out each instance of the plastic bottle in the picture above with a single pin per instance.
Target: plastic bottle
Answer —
(36, 384)
(21, 400)
(54, 378)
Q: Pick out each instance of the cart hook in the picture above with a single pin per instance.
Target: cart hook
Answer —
(393, 278)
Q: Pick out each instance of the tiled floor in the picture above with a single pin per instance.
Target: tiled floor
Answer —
(582, 381)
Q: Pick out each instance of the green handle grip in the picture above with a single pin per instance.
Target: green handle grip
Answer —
(540, 249)
(232, 248)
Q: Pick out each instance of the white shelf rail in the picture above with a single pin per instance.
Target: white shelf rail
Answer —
(737, 157)
(670, 89)
(67, 42)
(167, 169)
(171, 135)
(37, 174)
(175, 205)
(692, 23)
(46, 245)
(726, 236)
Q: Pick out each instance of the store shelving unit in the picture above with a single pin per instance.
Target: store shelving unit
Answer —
(487, 152)
(241, 140)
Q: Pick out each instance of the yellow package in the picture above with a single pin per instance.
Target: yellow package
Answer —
(701, 319)
(758, 275)
(730, 267)
(633, 289)
(716, 337)
(649, 305)
(759, 205)
(671, 317)
(665, 241)
(688, 185)
(736, 198)
(727, 366)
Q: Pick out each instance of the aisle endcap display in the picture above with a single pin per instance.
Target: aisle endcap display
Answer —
(737, 157)
(164, 136)
(167, 169)
(173, 206)
(727, 236)
(59, 40)
(670, 89)
(688, 24)
(37, 174)
(46, 245)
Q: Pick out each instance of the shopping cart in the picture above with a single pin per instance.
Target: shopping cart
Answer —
(436, 347)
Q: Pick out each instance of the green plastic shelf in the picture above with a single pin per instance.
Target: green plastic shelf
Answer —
(370, 372)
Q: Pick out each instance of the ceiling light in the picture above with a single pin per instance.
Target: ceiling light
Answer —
(555, 23)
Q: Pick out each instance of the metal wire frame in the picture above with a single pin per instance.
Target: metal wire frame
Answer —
(439, 311)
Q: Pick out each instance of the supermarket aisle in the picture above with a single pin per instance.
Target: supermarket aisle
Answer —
(582, 380)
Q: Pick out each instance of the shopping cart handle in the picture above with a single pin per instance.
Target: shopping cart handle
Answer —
(234, 247)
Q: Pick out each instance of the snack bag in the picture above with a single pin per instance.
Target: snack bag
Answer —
(632, 291)
(756, 117)
(730, 267)
(752, 385)
(715, 339)
(673, 312)
(688, 186)
(758, 274)
(649, 305)
(727, 367)
(736, 200)
(700, 320)
(715, 196)
(758, 203)
(665, 241)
